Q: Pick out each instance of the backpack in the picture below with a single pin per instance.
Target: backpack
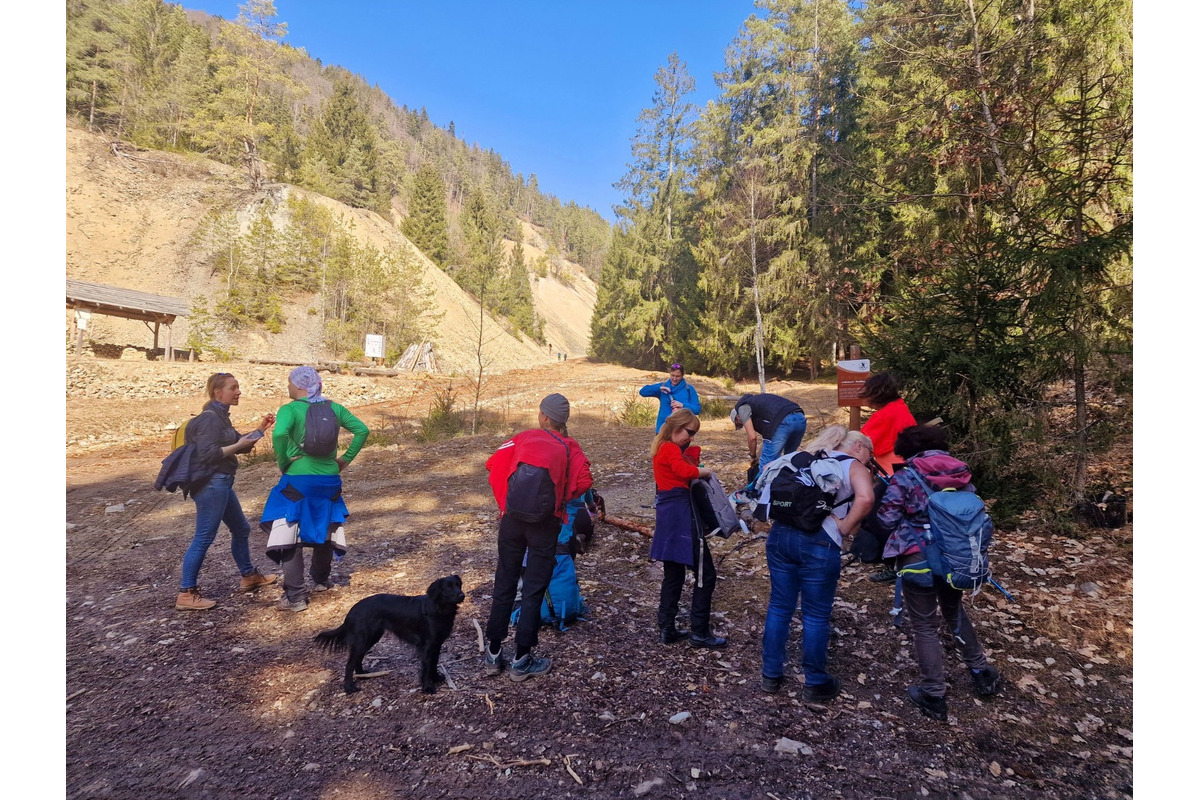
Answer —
(714, 511)
(806, 493)
(321, 428)
(532, 496)
(956, 540)
(179, 438)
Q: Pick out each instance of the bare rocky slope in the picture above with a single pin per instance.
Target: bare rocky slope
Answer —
(129, 217)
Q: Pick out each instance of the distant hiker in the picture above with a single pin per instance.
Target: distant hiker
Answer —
(306, 509)
(806, 564)
(779, 421)
(218, 444)
(679, 542)
(673, 394)
(533, 476)
(904, 514)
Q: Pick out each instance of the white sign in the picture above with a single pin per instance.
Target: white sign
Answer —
(81, 319)
(374, 346)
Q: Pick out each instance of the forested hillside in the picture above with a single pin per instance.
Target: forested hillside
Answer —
(946, 184)
(145, 73)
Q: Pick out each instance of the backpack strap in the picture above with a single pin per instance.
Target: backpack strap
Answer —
(562, 503)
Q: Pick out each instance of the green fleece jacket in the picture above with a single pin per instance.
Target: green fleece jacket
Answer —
(288, 436)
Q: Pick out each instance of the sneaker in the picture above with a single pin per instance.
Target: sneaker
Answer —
(256, 580)
(191, 600)
(771, 685)
(711, 642)
(987, 681)
(493, 665)
(528, 666)
(671, 635)
(824, 692)
(885, 575)
(930, 706)
(323, 587)
(285, 605)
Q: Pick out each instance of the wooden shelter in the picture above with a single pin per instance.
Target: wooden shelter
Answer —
(113, 301)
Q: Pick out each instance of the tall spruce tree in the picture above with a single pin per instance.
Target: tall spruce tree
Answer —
(425, 225)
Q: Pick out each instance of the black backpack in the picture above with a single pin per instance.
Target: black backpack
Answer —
(321, 428)
(796, 499)
(531, 495)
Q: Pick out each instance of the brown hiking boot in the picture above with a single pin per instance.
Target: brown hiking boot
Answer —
(256, 580)
(191, 600)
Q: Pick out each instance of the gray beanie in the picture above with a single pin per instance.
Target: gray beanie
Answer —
(557, 408)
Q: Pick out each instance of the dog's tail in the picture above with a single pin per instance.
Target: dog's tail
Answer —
(332, 640)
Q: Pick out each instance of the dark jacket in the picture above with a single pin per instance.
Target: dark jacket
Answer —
(183, 469)
(766, 411)
(210, 431)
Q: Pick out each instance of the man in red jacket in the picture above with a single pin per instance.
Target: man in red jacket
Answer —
(533, 475)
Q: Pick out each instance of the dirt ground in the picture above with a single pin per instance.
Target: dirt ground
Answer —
(238, 701)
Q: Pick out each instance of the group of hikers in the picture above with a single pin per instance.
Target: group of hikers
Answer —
(542, 483)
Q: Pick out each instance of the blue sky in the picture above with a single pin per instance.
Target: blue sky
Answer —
(553, 87)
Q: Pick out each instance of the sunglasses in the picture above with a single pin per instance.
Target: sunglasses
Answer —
(676, 366)
(690, 432)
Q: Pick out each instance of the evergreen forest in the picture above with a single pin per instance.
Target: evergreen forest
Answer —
(946, 184)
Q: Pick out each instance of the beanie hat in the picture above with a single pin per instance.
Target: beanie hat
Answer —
(557, 408)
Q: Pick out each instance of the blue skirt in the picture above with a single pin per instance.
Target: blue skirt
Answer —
(314, 502)
(674, 528)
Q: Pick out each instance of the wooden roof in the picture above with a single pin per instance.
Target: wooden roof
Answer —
(117, 302)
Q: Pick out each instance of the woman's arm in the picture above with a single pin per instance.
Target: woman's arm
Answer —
(864, 499)
(286, 450)
(356, 427)
(650, 390)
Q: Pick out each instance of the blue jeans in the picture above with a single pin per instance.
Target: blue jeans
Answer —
(216, 503)
(804, 566)
(786, 439)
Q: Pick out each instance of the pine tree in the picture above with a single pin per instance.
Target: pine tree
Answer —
(425, 225)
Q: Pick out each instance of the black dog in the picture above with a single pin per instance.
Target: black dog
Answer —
(424, 621)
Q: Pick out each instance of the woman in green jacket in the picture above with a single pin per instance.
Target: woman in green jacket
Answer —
(306, 509)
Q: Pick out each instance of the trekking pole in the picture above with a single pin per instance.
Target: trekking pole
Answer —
(1003, 591)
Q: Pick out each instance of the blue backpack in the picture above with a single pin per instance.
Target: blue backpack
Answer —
(956, 540)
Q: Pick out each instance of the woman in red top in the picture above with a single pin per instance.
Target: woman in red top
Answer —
(882, 392)
(678, 542)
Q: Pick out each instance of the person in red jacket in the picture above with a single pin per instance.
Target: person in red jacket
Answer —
(532, 475)
(678, 542)
(882, 392)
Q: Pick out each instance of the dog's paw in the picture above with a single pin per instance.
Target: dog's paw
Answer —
(351, 688)
(431, 689)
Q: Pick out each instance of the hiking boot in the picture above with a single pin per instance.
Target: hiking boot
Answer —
(930, 706)
(493, 665)
(885, 575)
(285, 605)
(823, 692)
(771, 685)
(528, 666)
(987, 681)
(256, 580)
(711, 642)
(671, 635)
(191, 600)
(323, 587)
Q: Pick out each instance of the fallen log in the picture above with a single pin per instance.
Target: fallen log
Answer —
(380, 371)
(627, 525)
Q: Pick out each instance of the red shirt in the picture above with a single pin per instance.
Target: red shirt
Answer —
(673, 467)
(883, 427)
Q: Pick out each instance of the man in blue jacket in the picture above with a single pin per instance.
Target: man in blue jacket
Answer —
(672, 393)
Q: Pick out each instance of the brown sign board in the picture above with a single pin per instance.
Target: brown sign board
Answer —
(851, 375)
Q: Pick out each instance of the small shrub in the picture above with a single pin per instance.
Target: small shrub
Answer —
(442, 421)
(727, 382)
(637, 414)
(713, 408)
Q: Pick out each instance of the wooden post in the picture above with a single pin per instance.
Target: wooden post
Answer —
(170, 345)
(78, 340)
(156, 336)
(855, 411)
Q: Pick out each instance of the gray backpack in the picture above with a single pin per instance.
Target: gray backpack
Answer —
(321, 428)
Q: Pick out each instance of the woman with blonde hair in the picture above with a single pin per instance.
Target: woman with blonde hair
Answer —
(678, 542)
(805, 566)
